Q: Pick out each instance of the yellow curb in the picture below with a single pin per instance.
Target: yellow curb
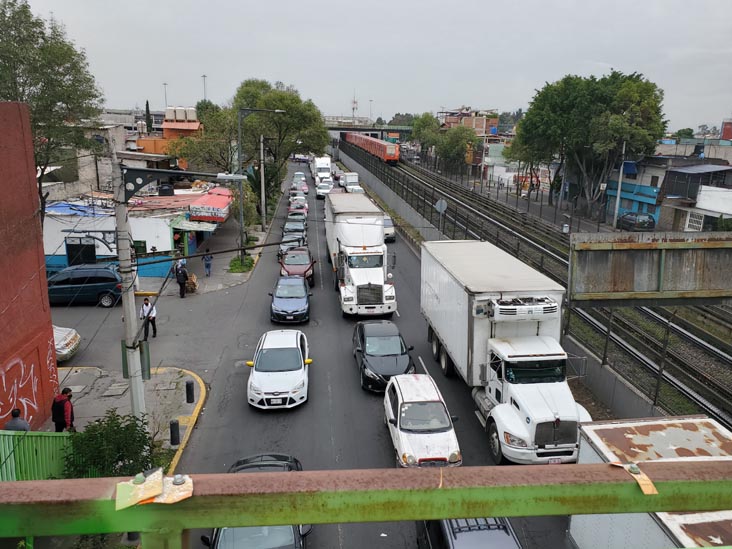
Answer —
(191, 422)
(184, 420)
(146, 293)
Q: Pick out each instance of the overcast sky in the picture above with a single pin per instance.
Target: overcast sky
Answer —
(403, 55)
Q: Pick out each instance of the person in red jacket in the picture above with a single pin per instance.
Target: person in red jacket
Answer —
(62, 411)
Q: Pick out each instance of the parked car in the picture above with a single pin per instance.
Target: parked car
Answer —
(389, 230)
(297, 207)
(419, 424)
(299, 262)
(282, 537)
(297, 216)
(491, 533)
(636, 222)
(97, 283)
(279, 377)
(304, 187)
(355, 189)
(322, 189)
(66, 341)
(290, 300)
(289, 241)
(299, 176)
(380, 353)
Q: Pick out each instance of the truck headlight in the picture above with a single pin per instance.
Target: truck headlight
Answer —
(409, 459)
(389, 298)
(455, 457)
(513, 440)
(348, 299)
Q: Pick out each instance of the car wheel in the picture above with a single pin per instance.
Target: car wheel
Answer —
(446, 365)
(494, 445)
(311, 281)
(106, 300)
(435, 346)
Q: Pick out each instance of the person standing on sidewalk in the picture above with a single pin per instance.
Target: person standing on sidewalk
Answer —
(17, 423)
(207, 261)
(148, 312)
(62, 411)
(181, 276)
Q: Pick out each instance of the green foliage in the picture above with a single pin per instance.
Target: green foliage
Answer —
(723, 224)
(400, 119)
(215, 147)
(454, 144)
(113, 446)
(250, 202)
(584, 121)
(206, 106)
(41, 67)
(236, 265)
(684, 133)
(426, 129)
(380, 121)
(507, 120)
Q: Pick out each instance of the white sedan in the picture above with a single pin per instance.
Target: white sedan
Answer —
(279, 377)
(420, 426)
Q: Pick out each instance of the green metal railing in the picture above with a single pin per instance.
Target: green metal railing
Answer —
(27, 455)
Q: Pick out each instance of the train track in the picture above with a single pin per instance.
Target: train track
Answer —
(700, 371)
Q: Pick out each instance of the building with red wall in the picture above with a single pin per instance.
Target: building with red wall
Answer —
(28, 372)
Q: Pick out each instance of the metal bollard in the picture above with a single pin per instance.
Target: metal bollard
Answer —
(190, 396)
(174, 432)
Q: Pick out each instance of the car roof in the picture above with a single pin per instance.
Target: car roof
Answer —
(379, 328)
(482, 532)
(299, 250)
(91, 266)
(417, 387)
(281, 338)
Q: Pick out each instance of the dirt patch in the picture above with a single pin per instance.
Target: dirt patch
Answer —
(583, 395)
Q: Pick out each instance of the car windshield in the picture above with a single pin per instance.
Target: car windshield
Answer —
(424, 417)
(536, 371)
(297, 259)
(385, 345)
(388, 222)
(298, 206)
(323, 186)
(290, 290)
(278, 360)
(365, 261)
(257, 537)
(294, 226)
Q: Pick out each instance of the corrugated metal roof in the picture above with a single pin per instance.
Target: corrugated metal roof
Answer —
(702, 168)
(483, 268)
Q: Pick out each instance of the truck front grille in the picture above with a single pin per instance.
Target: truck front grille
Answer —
(556, 432)
(370, 294)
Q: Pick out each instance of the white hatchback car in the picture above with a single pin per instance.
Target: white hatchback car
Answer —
(419, 424)
(279, 377)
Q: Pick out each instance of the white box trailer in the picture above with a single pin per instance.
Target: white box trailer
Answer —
(354, 233)
(695, 438)
(320, 168)
(497, 322)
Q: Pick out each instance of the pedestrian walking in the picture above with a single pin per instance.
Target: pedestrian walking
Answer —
(181, 276)
(17, 423)
(148, 312)
(62, 411)
(207, 261)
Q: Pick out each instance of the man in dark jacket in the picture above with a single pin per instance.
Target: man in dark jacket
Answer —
(62, 411)
(17, 423)
(181, 276)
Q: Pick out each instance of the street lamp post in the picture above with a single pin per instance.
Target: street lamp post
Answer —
(165, 88)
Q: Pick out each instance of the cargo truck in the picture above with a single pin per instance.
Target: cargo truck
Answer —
(496, 322)
(320, 168)
(354, 231)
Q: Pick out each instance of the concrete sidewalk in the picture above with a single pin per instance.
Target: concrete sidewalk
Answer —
(225, 237)
(95, 391)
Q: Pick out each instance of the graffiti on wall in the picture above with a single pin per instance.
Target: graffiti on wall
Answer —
(19, 388)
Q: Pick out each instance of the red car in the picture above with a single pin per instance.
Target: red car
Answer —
(298, 262)
(304, 187)
(297, 207)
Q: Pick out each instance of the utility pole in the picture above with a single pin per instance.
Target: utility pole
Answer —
(129, 309)
(165, 87)
(620, 186)
(482, 163)
(263, 204)
(204, 86)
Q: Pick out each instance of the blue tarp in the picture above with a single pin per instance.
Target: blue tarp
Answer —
(630, 168)
(69, 208)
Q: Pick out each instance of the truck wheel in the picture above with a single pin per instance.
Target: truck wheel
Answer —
(494, 444)
(435, 346)
(446, 365)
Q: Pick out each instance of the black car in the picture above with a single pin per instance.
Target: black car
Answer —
(380, 353)
(493, 533)
(636, 222)
(281, 537)
(290, 300)
(95, 283)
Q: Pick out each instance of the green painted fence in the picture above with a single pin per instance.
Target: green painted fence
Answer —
(28, 455)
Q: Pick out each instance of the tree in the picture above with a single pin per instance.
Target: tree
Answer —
(148, 117)
(455, 143)
(426, 130)
(380, 121)
(585, 121)
(400, 119)
(299, 130)
(204, 107)
(41, 67)
(215, 148)
(684, 133)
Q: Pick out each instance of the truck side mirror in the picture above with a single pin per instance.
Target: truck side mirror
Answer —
(392, 260)
(206, 541)
(392, 421)
(454, 418)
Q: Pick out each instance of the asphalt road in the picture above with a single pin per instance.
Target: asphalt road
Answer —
(340, 427)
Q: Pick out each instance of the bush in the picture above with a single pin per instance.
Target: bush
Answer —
(236, 265)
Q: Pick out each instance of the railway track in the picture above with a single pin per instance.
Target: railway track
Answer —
(700, 371)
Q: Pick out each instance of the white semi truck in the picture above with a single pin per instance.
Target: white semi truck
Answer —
(497, 323)
(320, 168)
(354, 231)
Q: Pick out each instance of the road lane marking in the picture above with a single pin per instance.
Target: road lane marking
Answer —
(423, 366)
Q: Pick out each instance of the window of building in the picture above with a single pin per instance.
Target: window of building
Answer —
(626, 204)
(654, 181)
(630, 176)
(651, 208)
(695, 221)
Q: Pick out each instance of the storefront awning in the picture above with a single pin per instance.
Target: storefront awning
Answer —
(212, 206)
(186, 225)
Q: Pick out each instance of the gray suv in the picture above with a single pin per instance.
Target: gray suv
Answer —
(100, 284)
(477, 533)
